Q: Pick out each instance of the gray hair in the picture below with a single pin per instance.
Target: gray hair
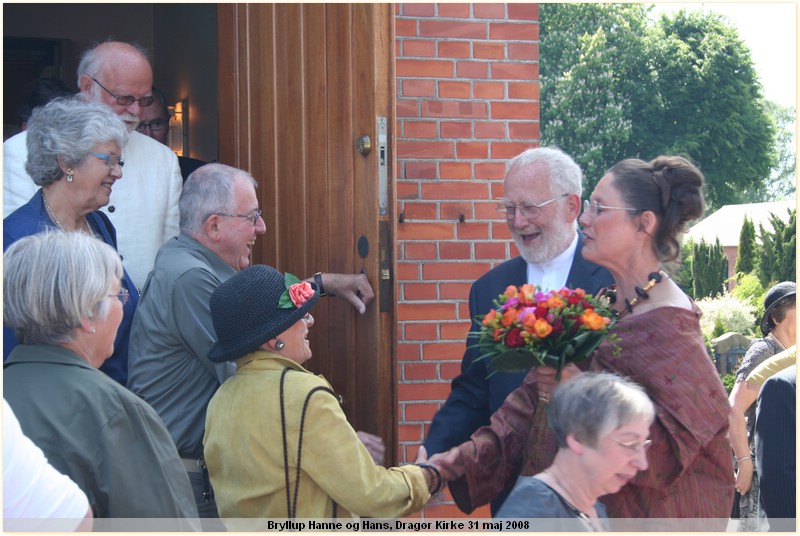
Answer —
(68, 128)
(208, 190)
(92, 59)
(52, 280)
(565, 174)
(594, 404)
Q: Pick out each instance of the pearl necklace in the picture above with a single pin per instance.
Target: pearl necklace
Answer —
(55, 219)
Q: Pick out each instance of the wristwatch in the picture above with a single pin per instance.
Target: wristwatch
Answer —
(318, 281)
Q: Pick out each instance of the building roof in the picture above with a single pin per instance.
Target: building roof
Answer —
(726, 223)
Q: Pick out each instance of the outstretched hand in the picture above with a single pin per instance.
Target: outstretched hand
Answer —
(354, 288)
(450, 464)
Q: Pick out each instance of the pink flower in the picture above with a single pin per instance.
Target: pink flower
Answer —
(300, 293)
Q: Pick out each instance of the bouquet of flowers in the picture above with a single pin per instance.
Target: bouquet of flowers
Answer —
(528, 327)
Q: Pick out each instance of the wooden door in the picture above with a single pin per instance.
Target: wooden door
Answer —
(298, 85)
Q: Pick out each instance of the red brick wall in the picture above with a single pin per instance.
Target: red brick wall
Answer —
(467, 102)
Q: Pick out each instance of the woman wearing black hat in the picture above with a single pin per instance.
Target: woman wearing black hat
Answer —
(277, 443)
(778, 326)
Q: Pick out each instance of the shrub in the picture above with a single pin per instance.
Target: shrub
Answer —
(728, 312)
(728, 380)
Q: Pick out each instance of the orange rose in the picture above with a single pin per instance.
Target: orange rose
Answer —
(511, 291)
(555, 302)
(509, 317)
(594, 321)
(490, 318)
(300, 293)
(542, 328)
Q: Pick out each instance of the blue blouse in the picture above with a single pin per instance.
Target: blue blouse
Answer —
(32, 218)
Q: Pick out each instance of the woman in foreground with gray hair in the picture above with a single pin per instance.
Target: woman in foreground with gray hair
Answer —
(74, 154)
(602, 424)
(63, 298)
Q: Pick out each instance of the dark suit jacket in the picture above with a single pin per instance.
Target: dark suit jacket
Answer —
(474, 397)
(775, 449)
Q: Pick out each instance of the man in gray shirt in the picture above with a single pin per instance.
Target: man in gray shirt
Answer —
(172, 331)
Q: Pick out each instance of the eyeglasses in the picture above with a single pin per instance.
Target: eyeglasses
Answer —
(634, 446)
(255, 216)
(127, 100)
(527, 210)
(111, 161)
(155, 125)
(594, 208)
(123, 296)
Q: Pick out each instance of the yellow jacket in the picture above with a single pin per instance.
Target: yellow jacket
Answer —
(245, 455)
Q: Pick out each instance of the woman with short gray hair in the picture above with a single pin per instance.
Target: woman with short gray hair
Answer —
(62, 295)
(74, 154)
(601, 422)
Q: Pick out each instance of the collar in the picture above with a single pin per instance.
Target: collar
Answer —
(552, 275)
(45, 353)
(265, 360)
(214, 261)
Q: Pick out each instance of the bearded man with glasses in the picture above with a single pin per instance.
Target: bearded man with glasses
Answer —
(143, 207)
(541, 205)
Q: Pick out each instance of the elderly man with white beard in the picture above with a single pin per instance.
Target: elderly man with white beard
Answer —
(143, 206)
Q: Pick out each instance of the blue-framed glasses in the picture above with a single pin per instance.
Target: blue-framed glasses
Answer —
(111, 161)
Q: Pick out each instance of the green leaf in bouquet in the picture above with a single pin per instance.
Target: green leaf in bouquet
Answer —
(514, 360)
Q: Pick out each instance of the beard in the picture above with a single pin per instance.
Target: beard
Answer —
(554, 242)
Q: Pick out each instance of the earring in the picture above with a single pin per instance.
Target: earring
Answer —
(94, 329)
(70, 175)
(279, 344)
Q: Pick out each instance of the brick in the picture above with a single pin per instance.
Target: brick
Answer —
(489, 51)
(419, 371)
(523, 12)
(488, 211)
(490, 130)
(453, 109)
(410, 432)
(453, 271)
(425, 231)
(454, 190)
(420, 412)
(398, 49)
(455, 170)
(455, 29)
(490, 250)
(472, 69)
(416, 251)
(407, 190)
(523, 90)
(421, 391)
(514, 110)
(523, 51)
(456, 331)
(419, 291)
(407, 108)
(463, 307)
(419, 129)
(489, 90)
(454, 10)
(508, 31)
(408, 352)
(452, 291)
(418, 88)
(455, 49)
(405, 27)
(425, 149)
(455, 90)
(416, 48)
(448, 371)
(425, 311)
(419, 10)
(500, 232)
(453, 129)
(489, 11)
(473, 230)
(454, 251)
(472, 150)
(496, 190)
(420, 170)
(512, 71)
(423, 68)
(424, 210)
(490, 170)
(454, 211)
(508, 150)
(418, 331)
(442, 350)
(523, 130)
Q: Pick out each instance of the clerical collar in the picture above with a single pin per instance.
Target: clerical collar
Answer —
(552, 275)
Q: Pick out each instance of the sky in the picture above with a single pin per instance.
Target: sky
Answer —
(770, 31)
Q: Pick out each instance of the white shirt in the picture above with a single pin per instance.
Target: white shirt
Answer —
(143, 206)
(553, 275)
(32, 488)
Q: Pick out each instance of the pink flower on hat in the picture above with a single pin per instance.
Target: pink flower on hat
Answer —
(300, 293)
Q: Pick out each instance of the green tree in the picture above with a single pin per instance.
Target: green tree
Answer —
(684, 84)
(745, 259)
(709, 269)
(777, 251)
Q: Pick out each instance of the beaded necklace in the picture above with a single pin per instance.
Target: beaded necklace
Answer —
(641, 293)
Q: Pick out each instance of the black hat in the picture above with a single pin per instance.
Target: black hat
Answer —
(777, 295)
(246, 311)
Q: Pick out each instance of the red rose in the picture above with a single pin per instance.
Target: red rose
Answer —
(300, 293)
(514, 338)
